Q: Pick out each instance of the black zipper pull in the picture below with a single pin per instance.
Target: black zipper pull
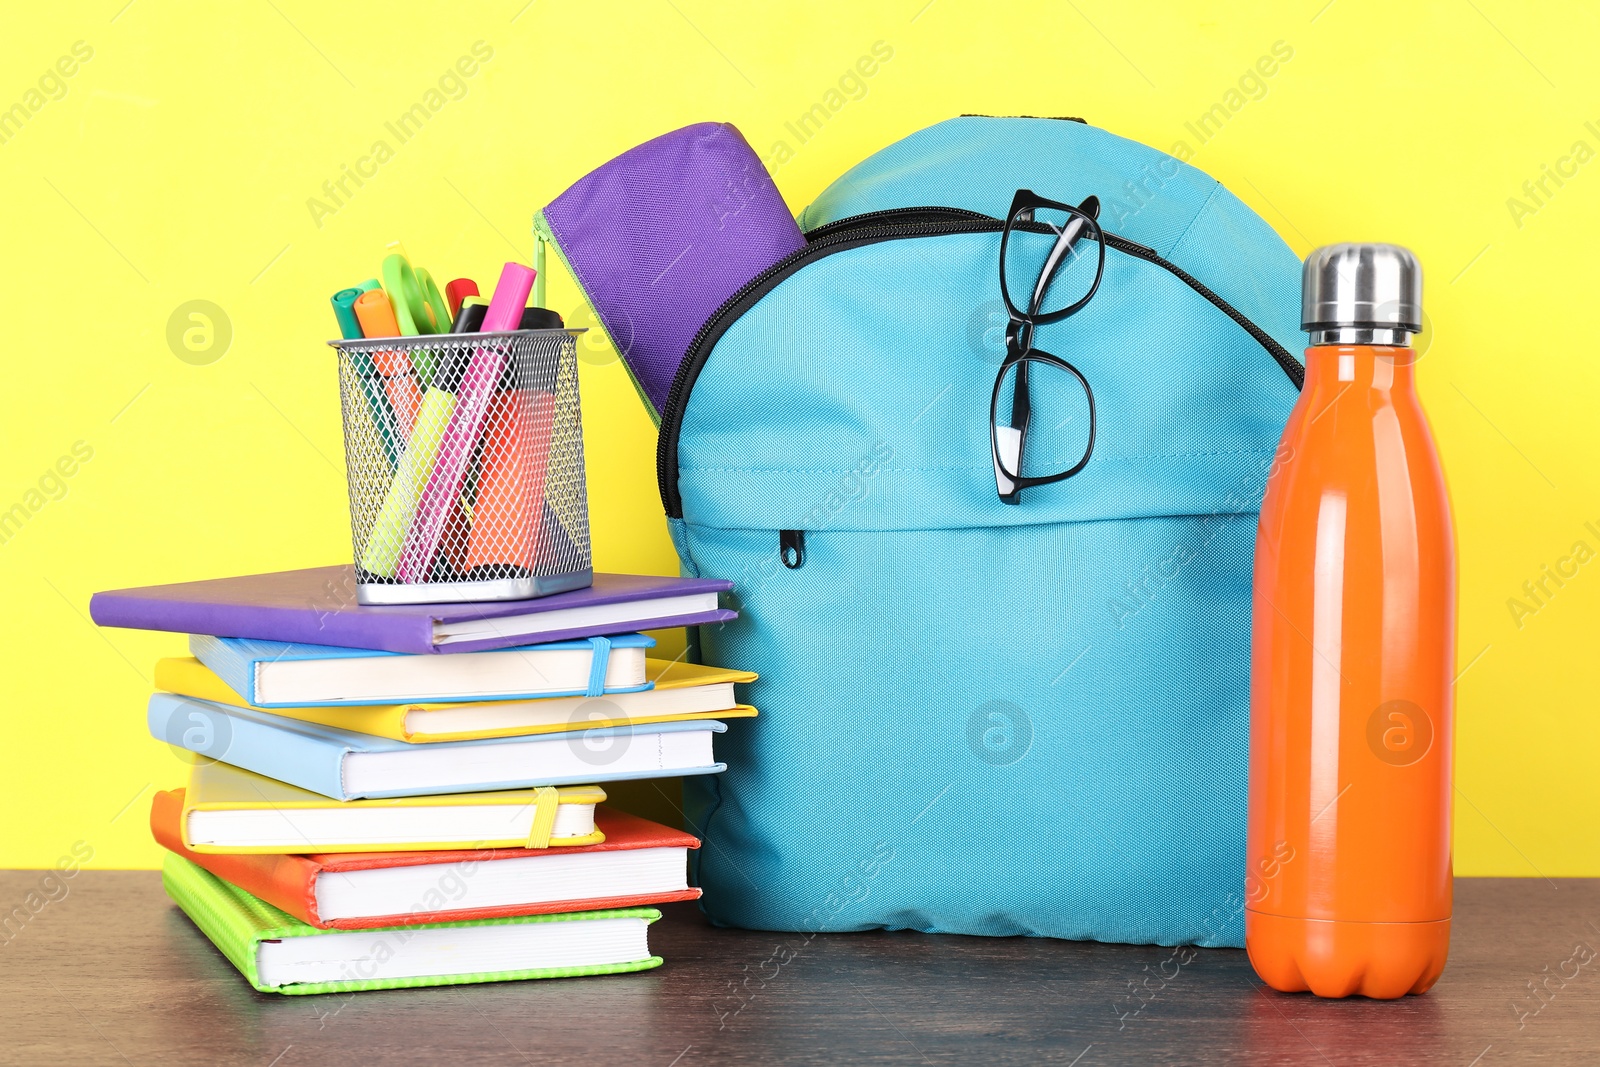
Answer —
(792, 547)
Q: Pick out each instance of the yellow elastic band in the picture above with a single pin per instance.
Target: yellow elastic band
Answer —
(545, 802)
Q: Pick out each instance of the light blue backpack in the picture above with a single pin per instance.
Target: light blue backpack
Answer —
(979, 718)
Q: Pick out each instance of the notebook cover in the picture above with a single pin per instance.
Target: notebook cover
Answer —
(234, 660)
(312, 756)
(289, 882)
(188, 677)
(223, 787)
(236, 922)
(318, 606)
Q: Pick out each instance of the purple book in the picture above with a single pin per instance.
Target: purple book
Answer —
(318, 606)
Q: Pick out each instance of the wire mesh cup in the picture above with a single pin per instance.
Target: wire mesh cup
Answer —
(465, 461)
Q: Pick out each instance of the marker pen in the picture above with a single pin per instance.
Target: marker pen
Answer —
(344, 311)
(376, 316)
(457, 291)
(517, 435)
(466, 423)
(469, 317)
(389, 531)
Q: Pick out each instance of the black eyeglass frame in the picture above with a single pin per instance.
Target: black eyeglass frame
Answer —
(1019, 337)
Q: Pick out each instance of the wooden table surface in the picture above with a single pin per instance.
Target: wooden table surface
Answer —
(113, 973)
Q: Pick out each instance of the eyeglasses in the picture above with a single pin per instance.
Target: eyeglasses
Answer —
(1040, 258)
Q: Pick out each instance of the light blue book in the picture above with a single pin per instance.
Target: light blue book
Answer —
(346, 765)
(274, 674)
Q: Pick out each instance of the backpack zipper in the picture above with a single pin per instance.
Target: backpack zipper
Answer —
(847, 233)
(871, 228)
(901, 215)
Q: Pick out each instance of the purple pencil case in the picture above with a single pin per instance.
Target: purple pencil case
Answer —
(662, 235)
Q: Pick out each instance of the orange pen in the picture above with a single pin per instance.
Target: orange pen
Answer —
(1348, 877)
(376, 316)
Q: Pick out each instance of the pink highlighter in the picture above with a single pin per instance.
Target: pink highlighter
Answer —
(477, 389)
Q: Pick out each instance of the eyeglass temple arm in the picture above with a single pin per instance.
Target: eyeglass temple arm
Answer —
(1021, 412)
(1064, 242)
(1021, 406)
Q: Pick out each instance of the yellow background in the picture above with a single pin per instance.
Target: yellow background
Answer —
(179, 163)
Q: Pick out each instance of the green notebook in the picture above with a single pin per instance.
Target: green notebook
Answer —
(278, 953)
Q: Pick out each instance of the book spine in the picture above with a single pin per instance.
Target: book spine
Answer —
(285, 882)
(227, 662)
(229, 927)
(281, 752)
(329, 623)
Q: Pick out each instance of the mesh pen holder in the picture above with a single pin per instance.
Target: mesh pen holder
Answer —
(465, 460)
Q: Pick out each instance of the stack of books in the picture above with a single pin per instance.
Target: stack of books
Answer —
(412, 796)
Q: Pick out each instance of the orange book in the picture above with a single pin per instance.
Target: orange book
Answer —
(640, 862)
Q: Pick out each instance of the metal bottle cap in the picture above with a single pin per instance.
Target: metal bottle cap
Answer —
(1361, 294)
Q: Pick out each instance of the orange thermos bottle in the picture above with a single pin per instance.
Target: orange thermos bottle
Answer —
(1347, 884)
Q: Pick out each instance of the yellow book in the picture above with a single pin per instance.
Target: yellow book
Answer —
(682, 691)
(226, 809)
